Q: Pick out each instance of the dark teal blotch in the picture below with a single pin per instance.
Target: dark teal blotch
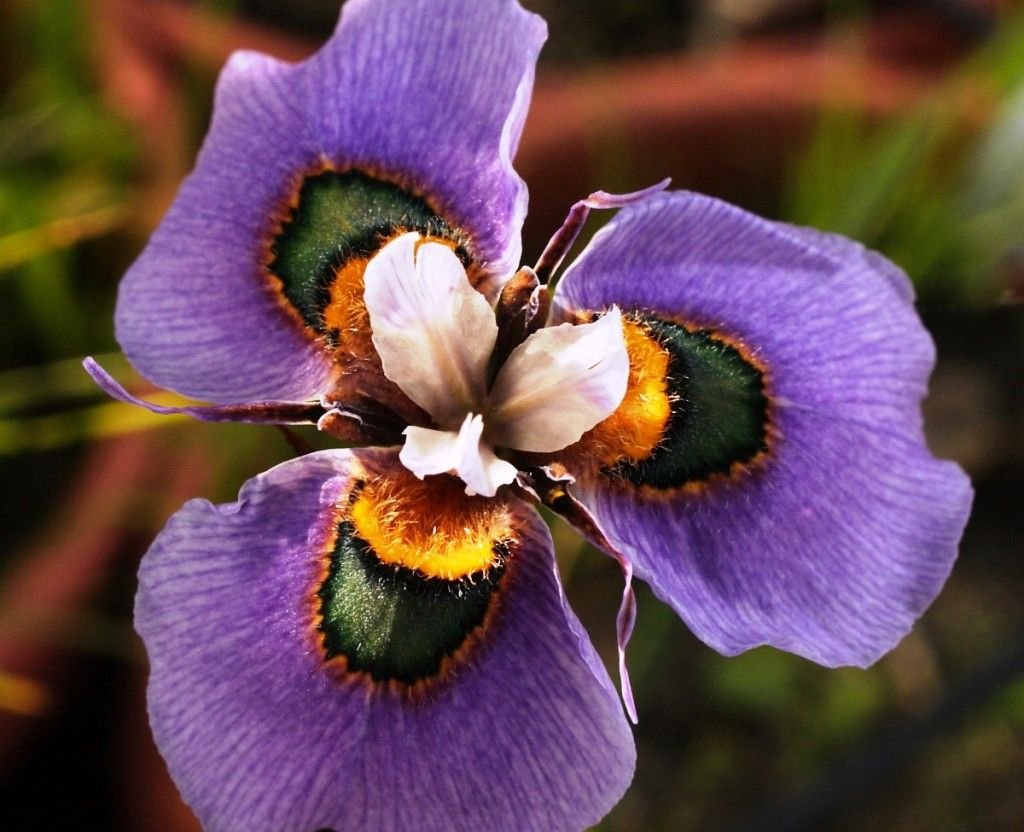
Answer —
(719, 410)
(340, 216)
(394, 623)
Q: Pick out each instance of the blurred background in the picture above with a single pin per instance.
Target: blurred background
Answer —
(898, 123)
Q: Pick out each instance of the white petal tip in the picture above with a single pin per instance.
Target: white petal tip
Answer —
(461, 453)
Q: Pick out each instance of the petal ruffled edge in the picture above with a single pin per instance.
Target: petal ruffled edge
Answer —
(448, 90)
(195, 312)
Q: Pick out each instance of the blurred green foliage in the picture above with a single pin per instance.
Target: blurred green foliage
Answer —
(940, 190)
(65, 168)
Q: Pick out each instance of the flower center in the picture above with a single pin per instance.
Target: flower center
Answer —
(637, 427)
(436, 334)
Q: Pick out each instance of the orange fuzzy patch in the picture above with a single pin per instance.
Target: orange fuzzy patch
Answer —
(637, 426)
(430, 525)
(345, 315)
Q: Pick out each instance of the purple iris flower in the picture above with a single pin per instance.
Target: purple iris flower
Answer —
(376, 637)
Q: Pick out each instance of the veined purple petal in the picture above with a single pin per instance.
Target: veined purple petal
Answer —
(439, 93)
(261, 736)
(831, 553)
(835, 539)
(431, 98)
(195, 312)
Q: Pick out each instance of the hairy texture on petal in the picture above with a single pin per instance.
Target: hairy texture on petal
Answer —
(837, 540)
(260, 736)
(558, 384)
(433, 331)
(461, 452)
(430, 97)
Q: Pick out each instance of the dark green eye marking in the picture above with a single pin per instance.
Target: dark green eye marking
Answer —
(719, 410)
(338, 217)
(391, 622)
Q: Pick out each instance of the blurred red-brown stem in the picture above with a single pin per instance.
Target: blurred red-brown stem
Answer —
(56, 577)
(722, 121)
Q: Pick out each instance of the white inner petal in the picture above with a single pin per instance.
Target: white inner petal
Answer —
(434, 332)
(558, 384)
(459, 452)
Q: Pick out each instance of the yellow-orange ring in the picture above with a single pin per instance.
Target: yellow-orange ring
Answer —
(772, 435)
(337, 666)
(289, 203)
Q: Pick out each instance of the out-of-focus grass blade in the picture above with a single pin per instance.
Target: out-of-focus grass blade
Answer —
(23, 246)
(53, 383)
(873, 184)
(85, 630)
(23, 696)
(907, 188)
(43, 433)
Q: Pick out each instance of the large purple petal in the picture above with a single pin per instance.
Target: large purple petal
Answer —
(438, 92)
(845, 531)
(528, 733)
(431, 96)
(831, 553)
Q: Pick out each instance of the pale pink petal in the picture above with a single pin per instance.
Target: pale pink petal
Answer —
(558, 384)
(428, 452)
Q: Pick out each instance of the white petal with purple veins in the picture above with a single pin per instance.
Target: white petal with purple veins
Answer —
(558, 384)
(434, 332)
